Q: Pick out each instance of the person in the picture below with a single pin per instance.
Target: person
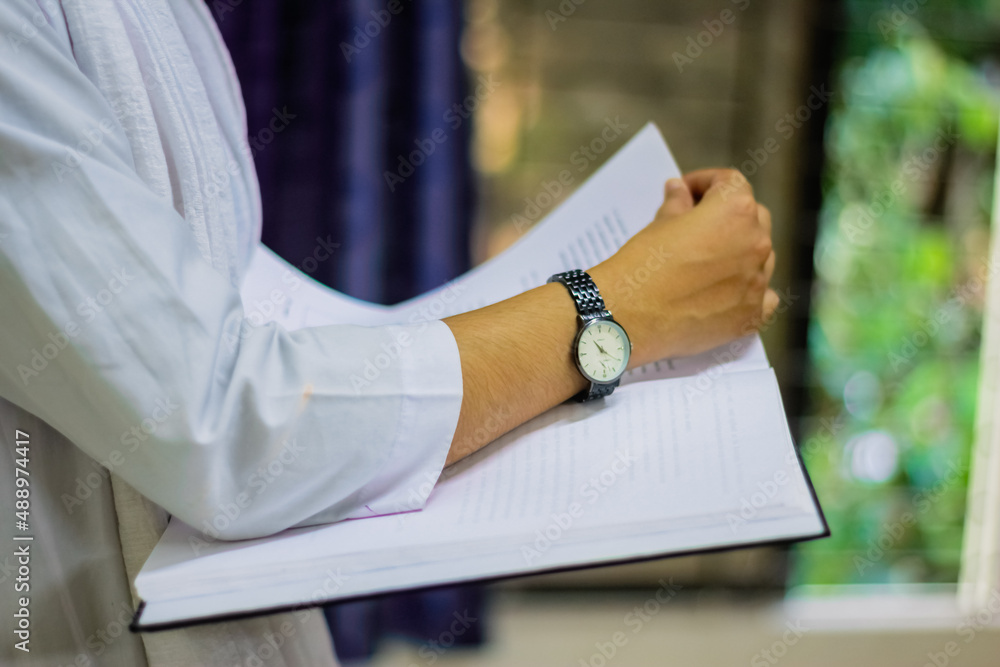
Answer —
(132, 389)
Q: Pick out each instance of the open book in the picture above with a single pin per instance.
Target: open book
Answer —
(688, 455)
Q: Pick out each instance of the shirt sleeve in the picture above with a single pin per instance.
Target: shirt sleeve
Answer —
(118, 333)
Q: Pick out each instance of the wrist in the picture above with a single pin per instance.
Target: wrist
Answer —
(621, 300)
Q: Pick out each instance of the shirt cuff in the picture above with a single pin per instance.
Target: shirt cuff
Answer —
(430, 386)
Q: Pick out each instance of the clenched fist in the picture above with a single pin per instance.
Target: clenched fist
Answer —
(697, 276)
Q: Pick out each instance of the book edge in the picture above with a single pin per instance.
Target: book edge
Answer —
(137, 626)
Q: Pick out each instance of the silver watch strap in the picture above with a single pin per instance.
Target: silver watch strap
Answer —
(589, 305)
(585, 294)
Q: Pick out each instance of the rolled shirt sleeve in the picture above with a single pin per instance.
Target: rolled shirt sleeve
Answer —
(119, 333)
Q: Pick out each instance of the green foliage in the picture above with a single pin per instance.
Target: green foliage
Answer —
(894, 340)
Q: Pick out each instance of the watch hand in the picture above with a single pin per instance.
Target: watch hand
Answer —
(603, 351)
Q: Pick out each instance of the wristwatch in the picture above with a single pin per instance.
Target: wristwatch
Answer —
(601, 348)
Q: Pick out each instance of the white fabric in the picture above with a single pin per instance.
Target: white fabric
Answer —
(128, 210)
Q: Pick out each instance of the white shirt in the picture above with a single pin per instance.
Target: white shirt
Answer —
(128, 212)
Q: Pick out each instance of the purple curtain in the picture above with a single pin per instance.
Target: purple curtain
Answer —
(366, 183)
(349, 107)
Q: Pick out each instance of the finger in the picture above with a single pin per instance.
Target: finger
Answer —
(764, 217)
(769, 266)
(771, 302)
(722, 180)
(677, 199)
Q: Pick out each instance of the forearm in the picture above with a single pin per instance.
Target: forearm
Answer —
(516, 364)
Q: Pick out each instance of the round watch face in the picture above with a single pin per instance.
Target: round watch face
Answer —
(602, 351)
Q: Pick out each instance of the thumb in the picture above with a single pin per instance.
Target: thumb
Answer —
(678, 198)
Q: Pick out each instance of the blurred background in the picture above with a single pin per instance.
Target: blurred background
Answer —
(884, 115)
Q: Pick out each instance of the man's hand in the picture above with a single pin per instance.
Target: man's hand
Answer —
(697, 276)
(694, 278)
